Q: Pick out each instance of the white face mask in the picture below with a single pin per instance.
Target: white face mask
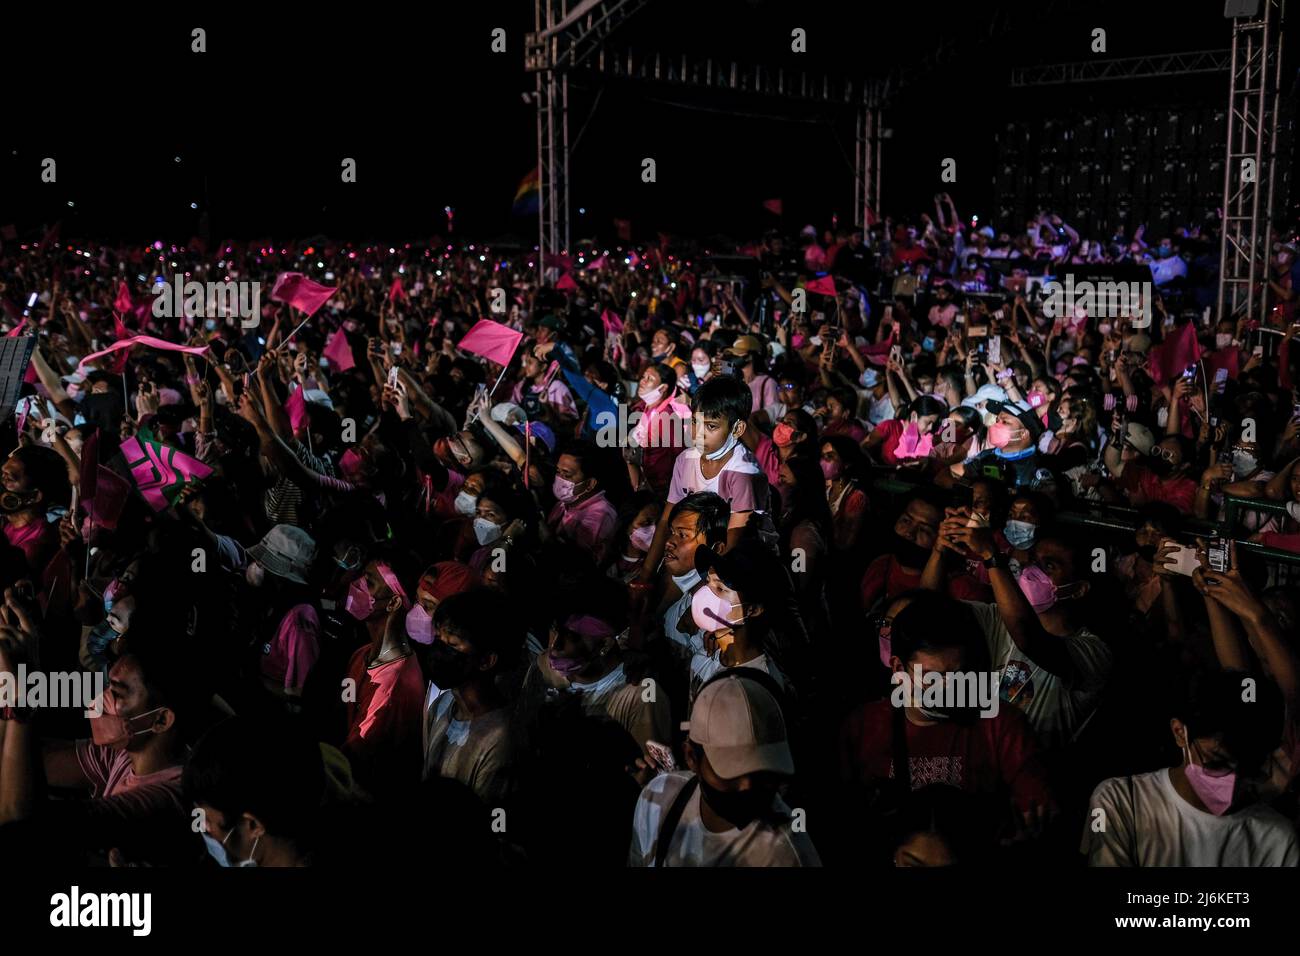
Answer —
(486, 531)
(725, 450)
(700, 370)
(650, 397)
(1222, 340)
(686, 581)
(1243, 463)
(465, 503)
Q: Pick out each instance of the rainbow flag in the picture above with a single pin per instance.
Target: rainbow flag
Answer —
(528, 194)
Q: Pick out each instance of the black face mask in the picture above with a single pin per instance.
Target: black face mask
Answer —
(908, 553)
(1160, 467)
(737, 807)
(446, 666)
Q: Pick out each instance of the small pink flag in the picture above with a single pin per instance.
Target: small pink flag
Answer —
(17, 330)
(123, 303)
(339, 352)
(773, 206)
(597, 263)
(566, 284)
(300, 292)
(823, 286)
(108, 499)
(149, 340)
(612, 323)
(160, 472)
(492, 340)
(296, 409)
(395, 292)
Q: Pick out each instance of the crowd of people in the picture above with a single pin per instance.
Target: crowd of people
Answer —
(645, 592)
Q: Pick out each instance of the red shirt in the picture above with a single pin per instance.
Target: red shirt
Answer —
(989, 755)
(1142, 487)
(384, 720)
(886, 576)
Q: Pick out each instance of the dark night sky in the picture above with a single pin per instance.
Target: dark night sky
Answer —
(433, 118)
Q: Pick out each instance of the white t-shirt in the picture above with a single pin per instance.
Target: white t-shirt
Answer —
(475, 752)
(759, 843)
(704, 666)
(1144, 822)
(1057, 709)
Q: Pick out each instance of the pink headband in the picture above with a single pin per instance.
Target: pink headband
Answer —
(588, 626)
(390, 579)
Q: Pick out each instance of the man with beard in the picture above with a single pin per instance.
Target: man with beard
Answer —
(899, 570)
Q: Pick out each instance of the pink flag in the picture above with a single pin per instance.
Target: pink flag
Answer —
(123, 303)
(108, 499)
(612, 323)
(149, 340)
(1179, 350)
(823, 286)
(566, 284)
(773, 206)
(17, 330)
(395, 292)
(597, 263)
(300, 292)
(296, 409)
(160, 471)
(339, 352)
(492, 340)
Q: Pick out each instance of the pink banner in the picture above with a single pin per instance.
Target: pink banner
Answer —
(492, 340)
(149, 340)
(160, 471)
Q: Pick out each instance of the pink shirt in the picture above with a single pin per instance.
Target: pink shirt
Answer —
(292, 653)
(764, 390)
(385, 720)
(138, 815)
(741, 483)
(589, 523)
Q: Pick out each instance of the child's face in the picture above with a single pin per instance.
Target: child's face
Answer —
(710, 431)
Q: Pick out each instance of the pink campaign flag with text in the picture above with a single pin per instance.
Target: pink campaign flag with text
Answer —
(339, 352)
(492, 340)
(300, 292)
(160, 471)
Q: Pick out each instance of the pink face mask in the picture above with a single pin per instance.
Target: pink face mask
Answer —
(360, 602)
(643, 537)
(1215, 792)
(563, 489)
(799, 341)
(419, 625)
(783, 435)
(1036, 398)
(709, 611)
(831, 469)
(1000, 435)
(1037, 588)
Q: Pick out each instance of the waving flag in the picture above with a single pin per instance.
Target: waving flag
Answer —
(160, 472)
(823, 286)
(339, 352)
(528, 194)
(149, 340)
(395, 292)
(492, 340)
(123, 303)
(300, 292)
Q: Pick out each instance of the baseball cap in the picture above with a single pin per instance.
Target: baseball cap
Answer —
(745, 344)
(986, 393)
(286, 551)
(1140, 437)
(1026, 416)
(539, 430)
(553, 322)
(739, 724)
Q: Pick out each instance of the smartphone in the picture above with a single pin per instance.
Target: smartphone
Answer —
(995, 349)
(977, 332)
(1220, 556)
(1189, 373)
(392, 377)
(663, 756)
(896, 353)
(1183, 561)
(1258, 350)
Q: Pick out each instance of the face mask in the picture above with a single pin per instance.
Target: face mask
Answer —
(350, 464)
(643, 537)
(869, 378)
(909, 554)
(217, 850)
(725, 450)
(1039, 590)
(111, 729)
(686, 581)
(650, 397)
(566, 667)
(360, 602)
(564, 490)
(448, 667)
(465, 503)
(419, 626)
(1020, 534)
(1215, 792)
(783, 435)
(1036, 398)
(709, 611)
(1000, 434)
(486, 531)
(1243, 463)
(1222, 340)
(700, 370)
(255, 574)
(737, 807)
(831, 469)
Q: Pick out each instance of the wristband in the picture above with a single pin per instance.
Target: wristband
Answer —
(996, 561)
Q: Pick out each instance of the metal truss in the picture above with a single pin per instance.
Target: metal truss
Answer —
(1127, 68)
